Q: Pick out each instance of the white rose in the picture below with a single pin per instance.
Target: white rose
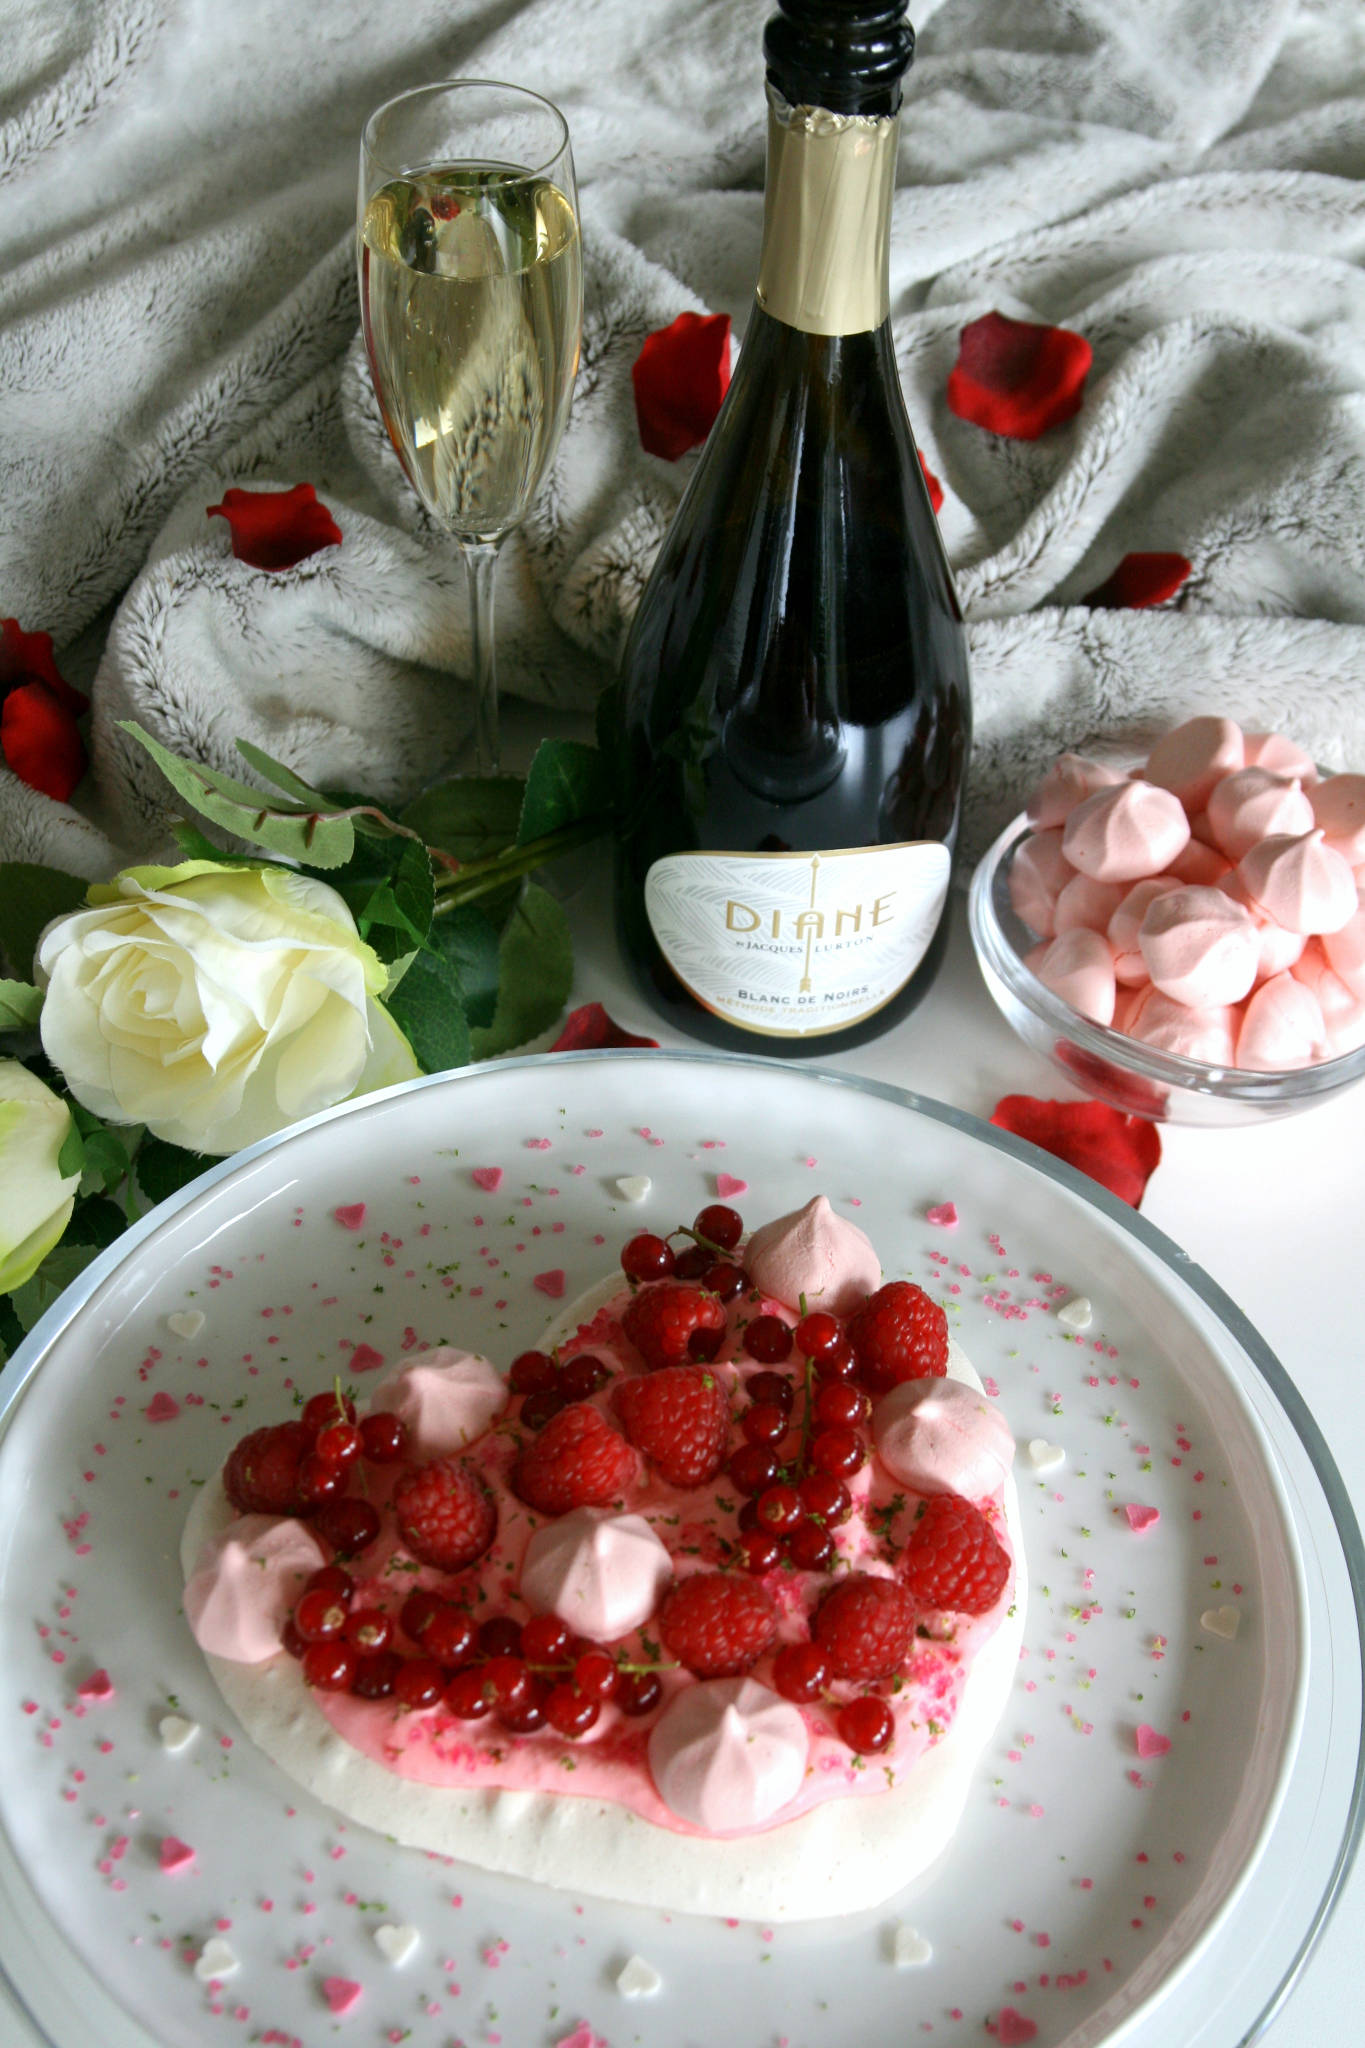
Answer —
(35, 1198)
(215, 1004)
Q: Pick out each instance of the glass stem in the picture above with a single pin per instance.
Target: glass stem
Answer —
(481, 561)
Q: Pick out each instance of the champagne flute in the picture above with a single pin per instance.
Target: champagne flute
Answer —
(471, 295)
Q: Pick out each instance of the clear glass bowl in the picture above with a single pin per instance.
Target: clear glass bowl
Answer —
(1103, 1063)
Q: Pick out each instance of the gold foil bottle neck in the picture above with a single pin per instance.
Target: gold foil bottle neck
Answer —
(827, 214)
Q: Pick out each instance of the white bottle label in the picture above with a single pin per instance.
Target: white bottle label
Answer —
(791, 945)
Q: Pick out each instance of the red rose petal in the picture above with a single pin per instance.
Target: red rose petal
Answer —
(40, 741)
(590, 1029)
(276, 529)
(680, 376)
(1120, 1152)
(935, 487)
(28, 658)
(1138, 581)
(1017, 377)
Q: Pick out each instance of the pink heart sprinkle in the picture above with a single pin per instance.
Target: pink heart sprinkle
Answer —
(727, 1185)
(351, 1216)
(1140, 1518)
(365, 1358)
(162, 1408)
(1012, 2027)
(1149, 1743)
(174, 1854)
(538, 1144)
(98, 1686)
(551, 1283)
(942, 1213)
(341, 1993)
(489, 1178)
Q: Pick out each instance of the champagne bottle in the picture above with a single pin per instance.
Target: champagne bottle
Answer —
(792, 718)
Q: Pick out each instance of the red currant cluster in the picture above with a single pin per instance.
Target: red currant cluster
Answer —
(526, 1674)
(795, 1491)
(305, 1468)
(547, 1383)
(715, 1232)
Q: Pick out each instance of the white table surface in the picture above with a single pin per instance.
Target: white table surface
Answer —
(1274, 1213)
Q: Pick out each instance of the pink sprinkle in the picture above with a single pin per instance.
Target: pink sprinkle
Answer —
(582, 2037)
(342, 1994)
(174, 1855)
(551, 1283)
(727, 1185)
(351, 1215)
(538, 1144)
(1140, 1518)
(1012, 2028)
(98, 1686)
(1149, 1743)
(162, 1408)
(365, 1358)
(944, 1214)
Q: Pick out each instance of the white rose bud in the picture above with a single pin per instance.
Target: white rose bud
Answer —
(35, 1198)
(215, 1004)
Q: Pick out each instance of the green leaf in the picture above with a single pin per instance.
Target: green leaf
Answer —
(106, 1157)
(468, 939)
(20, 1003)
(567, 781)
(95, 1220)
(163, 1168)
(11, 1329)
(285, 778)
(296, 834)
(536, 956)
(71, 1158)
(30, 897)
(427, 1007)
(470, 816)
(403, 903)
(196, 845)
(56, 1273)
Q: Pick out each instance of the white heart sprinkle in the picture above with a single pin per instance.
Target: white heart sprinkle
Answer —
(216, 1960)
(176, 1732)
(1076, 1314)
(1043, 1456)
(396, 1944)
(186, 1322)
(638, 1979)
(1222, 1621)
(635, 1186)
(909, 1949)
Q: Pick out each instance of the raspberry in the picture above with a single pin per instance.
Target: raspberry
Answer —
(679, 1417)
(662, 1320)
(954, 1558)
(865, 1626)
(717, 1625)
(577, 1461)
(262, 1472)
(899, 1334)
(446, 1515)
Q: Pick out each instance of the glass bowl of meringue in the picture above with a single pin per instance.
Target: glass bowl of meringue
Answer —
(1185, 939)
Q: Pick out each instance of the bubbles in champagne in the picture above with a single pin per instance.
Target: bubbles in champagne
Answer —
(471, 290)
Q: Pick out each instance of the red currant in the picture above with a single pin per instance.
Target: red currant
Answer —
(450, 1635)
(703, 1345)
(582, 1377)
(641, 1692)
(840, 1452)
(319, 1616)
(370, 1629)
(818, 1333)
(331, 1578)
(383, 1438)
(762, 1550)
(374, 1675)
(500, 1636)
(509, 1681)
(348, 1525)
(837, 1364)
(570, 1712)
(841, 1403)
(648, 1257)
(537, 1408)
(826, 1497)
(765, 1423)
(530, 1371)
(723, 1279)
(810, 1546)
(692, 1263)
(326, 1408)
(545, 1639)
(595, 1673)
(768, 1339)
(292, 1640)
(770, 1387)
(866, 1724)
(467, 1694)
(721, 1224)
(752, 1467)
(319, 1480)
(418, 1683)
(779, 1508)
(418, 1612)
(523, 1716)
(329, 1667)
(800, 1671)
(339, 1443)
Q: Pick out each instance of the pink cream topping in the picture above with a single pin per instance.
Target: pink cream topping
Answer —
(1124, 833)
(728, 1754)
(815, 1254)
(942, 1436)
(244, 1588)
(601, 1573)
(446, 1397)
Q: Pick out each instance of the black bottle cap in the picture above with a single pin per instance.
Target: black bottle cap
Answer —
(847, 55)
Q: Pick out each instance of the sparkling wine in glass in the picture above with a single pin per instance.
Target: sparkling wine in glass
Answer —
(471, 294)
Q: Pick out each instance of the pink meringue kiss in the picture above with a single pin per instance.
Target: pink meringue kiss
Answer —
(1200, 947)
(1343, 1010)
(1087, 903)
(244, 1588)
(1346, 951)
(1192, 757)
(1169, 1026)
(817, 1255)
(942, 1436)
(604, 1574)
(1339, 808)
(444, 1397)
(1078, 967)
(1251, 804)
(1280, 755)
(1124, 833)
(1279, 947)
(1125, 924)
(1070, 779)
(1282, 1027)
(1038, 874)
(1199, 863)
(1300, 882)
(728, 1754)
